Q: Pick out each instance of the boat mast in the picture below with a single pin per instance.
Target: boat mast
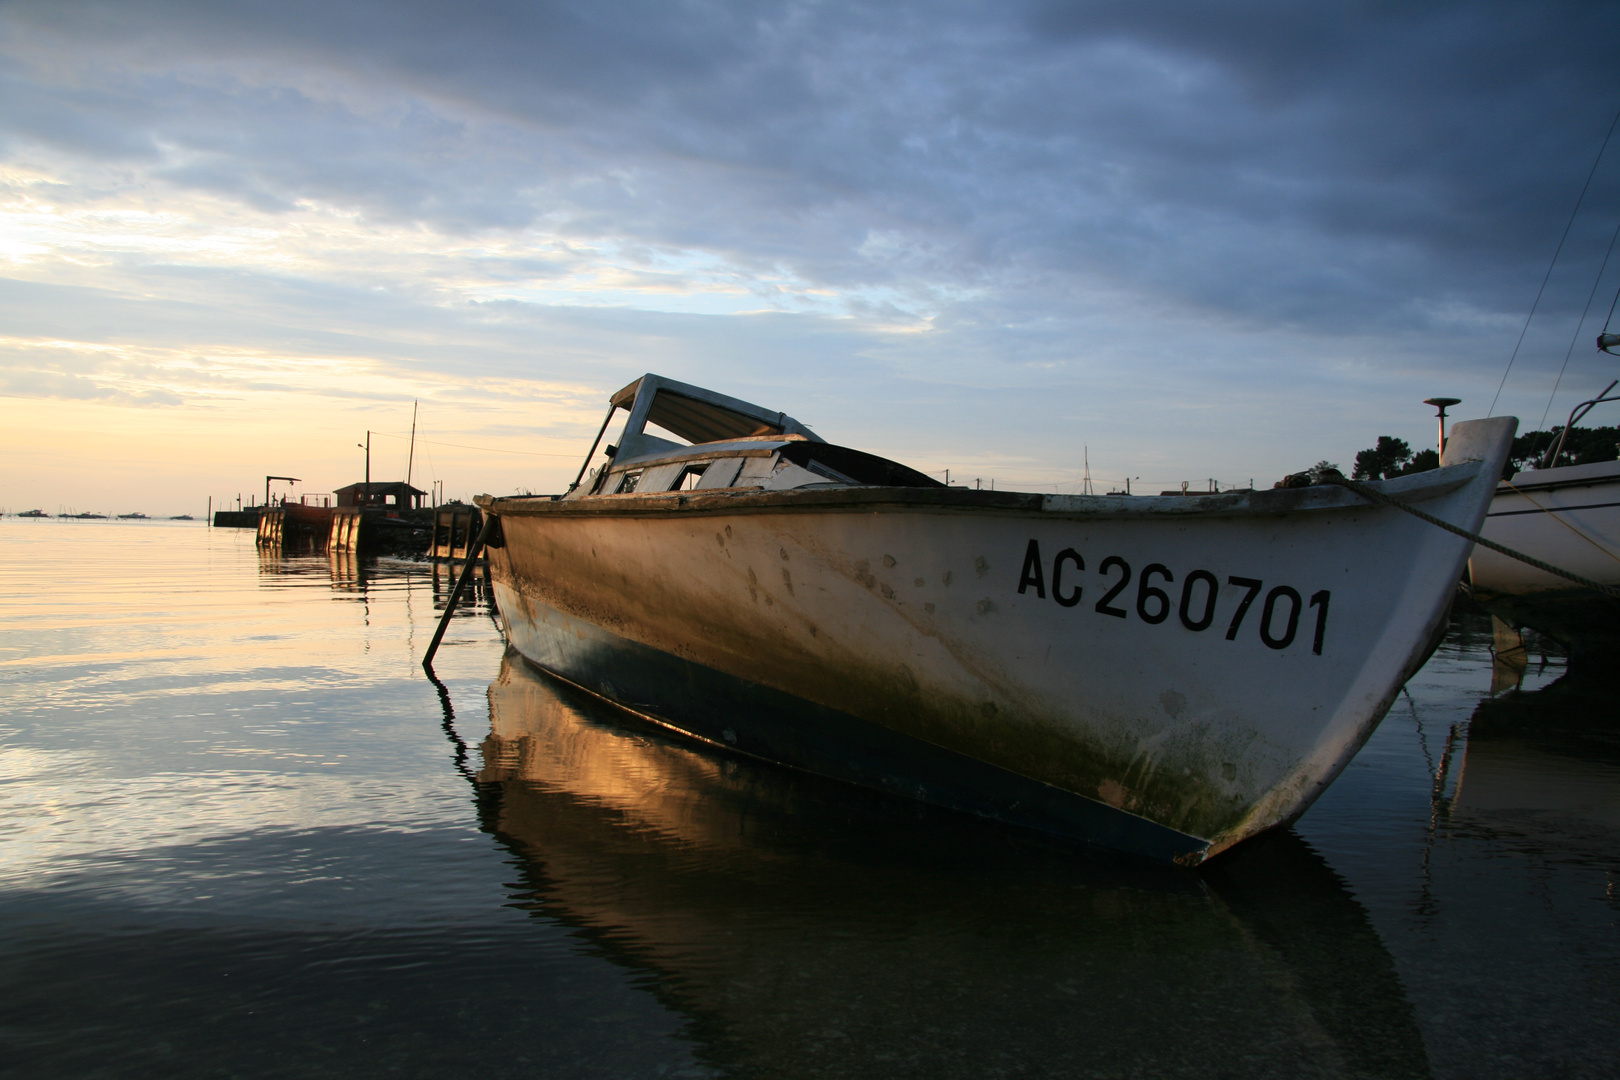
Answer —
(411, 458)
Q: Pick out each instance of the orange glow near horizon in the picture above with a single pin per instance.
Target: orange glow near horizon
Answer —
(112, 458)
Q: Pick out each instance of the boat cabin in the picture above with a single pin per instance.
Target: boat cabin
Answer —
(679, 437)
(392, 494)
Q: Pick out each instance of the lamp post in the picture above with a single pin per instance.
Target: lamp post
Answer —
(366, 446)
(1442, 404)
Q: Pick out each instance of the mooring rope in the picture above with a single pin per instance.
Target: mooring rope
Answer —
(1377, 496)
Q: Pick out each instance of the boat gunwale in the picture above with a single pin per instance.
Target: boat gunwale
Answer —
(1417, 487)
(1591, 475)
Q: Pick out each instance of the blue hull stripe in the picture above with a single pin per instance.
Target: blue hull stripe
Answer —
(787, 730)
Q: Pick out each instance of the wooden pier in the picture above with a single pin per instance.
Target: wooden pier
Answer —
(453, 532)
(442, 535)
(293, 526)
(346, 529)
(237, 519)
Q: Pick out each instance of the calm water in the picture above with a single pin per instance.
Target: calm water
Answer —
(241, 835)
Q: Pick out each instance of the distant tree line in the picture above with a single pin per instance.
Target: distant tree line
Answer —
(1392, 457)
(1584, 446)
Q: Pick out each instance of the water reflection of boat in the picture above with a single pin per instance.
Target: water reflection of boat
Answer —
(1546, 764)
(811, 928)
(817, 606)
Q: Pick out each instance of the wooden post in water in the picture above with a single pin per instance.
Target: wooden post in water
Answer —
(455, 593)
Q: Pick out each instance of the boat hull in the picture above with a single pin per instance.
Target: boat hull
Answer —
(1569, 517)
(1163, 676)
(746, 716)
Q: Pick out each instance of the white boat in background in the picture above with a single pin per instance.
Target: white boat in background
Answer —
(1166, 676)
(1568, 516)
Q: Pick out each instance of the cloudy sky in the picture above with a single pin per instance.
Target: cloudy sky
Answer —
(1194, 240)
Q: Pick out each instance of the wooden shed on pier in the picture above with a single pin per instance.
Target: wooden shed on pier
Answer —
(390, 495)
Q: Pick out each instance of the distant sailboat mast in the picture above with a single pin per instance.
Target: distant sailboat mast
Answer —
(411, 458)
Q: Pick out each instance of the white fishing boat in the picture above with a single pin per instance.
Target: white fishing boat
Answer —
(1166, 676)
(1569, 516)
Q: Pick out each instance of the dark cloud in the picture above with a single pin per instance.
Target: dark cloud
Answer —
(1340, 168)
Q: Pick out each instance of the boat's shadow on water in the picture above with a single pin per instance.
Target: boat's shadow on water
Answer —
(809, 928)
(1575, 713)
(1539, 775)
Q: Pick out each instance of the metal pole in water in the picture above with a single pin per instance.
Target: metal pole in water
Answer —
(490, 525)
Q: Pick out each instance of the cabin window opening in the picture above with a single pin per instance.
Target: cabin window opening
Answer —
(829, 472)
(660, 432)
(688, 480)
(628, 483)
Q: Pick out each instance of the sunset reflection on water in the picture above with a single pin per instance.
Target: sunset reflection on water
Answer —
(241, 832)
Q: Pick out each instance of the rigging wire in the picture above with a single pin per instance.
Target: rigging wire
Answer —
(433, 471)
(1571, 350)
(1546, 277)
